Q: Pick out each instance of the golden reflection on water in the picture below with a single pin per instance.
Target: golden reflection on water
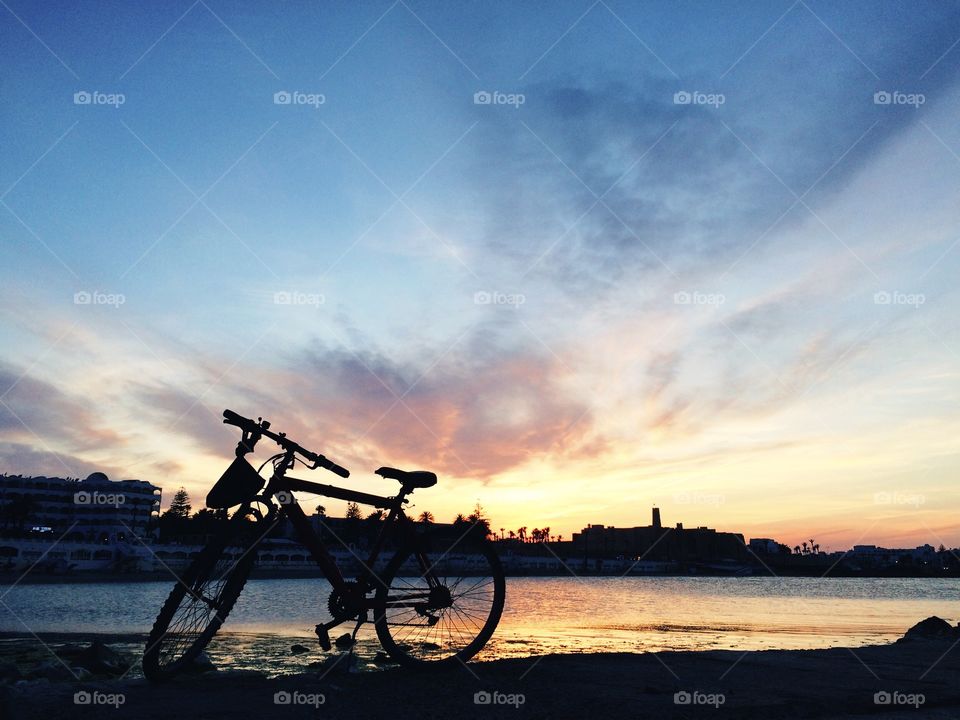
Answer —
(570, 615)
(542, 615)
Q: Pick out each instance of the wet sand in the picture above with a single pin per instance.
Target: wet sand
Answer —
(918, 677)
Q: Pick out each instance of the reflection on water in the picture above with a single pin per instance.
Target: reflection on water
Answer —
(542, 615)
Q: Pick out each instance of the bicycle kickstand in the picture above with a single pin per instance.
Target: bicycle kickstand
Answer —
(353, 636)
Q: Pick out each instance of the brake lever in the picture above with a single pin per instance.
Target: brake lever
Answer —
(248, 441)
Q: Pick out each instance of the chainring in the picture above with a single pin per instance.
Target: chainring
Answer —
(348, 603)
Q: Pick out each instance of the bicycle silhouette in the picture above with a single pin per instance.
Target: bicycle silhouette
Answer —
(429, 608)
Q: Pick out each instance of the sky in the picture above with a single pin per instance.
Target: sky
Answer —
(579, 259)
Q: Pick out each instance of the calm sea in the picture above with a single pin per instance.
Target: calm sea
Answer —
(542, 614)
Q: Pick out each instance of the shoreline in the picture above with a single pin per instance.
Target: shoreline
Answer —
(35, 578)
(866, 682)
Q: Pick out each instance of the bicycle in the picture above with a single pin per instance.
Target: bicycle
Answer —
(441, 612)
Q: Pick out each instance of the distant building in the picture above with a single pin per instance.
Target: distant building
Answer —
(871, 556)
(90, 510)
(764, 546)
(657, 543)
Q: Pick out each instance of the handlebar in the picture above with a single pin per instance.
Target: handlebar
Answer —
(254, 429)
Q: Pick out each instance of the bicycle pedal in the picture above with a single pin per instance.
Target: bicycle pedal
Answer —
(323, 636)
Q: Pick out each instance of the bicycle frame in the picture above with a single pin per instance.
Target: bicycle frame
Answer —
(279, 482)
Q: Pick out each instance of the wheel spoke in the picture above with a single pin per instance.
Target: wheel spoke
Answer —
(475, 600)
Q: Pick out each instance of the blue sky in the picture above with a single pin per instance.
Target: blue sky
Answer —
(742, 307)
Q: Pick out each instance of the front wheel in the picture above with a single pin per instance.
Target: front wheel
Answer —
(202, 598)
(439, 608)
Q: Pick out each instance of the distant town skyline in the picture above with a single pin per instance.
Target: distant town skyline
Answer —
(576, 262)
(527, 531)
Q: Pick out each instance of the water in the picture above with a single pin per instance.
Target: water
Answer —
(542, 615)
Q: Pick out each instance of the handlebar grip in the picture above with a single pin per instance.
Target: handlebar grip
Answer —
(334, 468)
(232, 418)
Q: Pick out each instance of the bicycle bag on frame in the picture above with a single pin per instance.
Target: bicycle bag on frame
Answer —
(237, 485)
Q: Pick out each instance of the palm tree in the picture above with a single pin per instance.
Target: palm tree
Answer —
(353, 512)
(426, 517)
(522, 532)
(511, 534)
(321, 511)
(796, 549)
(805, 550)
(501, 533)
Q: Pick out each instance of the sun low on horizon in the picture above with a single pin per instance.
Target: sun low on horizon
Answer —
(577, 278)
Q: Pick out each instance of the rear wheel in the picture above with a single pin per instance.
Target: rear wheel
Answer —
(439, 608)
(202, 598)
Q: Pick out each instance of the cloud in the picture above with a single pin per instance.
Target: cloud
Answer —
(686, 186)
(480, 410)
(37, 411)
(23, 459)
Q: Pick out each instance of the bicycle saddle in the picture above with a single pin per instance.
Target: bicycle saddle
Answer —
(412, 478)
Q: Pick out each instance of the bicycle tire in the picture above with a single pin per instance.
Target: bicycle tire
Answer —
(394, 643)
(156, 666)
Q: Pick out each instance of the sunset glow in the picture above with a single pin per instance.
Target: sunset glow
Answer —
(574, 308)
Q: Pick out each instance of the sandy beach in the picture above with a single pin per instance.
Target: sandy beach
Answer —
(915, 677)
